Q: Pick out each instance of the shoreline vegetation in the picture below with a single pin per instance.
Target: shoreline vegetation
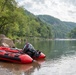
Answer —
(5, 41)
(17, 22)
(28, 39)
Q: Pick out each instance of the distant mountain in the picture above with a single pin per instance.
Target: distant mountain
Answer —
(60, 29)
(36, 27)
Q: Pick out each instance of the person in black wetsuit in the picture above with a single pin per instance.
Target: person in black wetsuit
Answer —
(29, 49)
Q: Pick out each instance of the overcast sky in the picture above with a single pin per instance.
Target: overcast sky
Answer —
(62, 9)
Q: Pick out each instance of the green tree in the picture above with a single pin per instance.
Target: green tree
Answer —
(72, 34)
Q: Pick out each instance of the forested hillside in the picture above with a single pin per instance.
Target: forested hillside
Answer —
(17, 22)
(72, 34)
(60, 29)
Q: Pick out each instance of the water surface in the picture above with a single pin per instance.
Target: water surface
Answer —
(60, 60)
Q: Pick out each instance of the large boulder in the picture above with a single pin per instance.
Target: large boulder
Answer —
(4, 41)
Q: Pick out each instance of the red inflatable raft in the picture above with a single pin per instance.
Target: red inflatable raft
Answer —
(14, 57)
(14, 50)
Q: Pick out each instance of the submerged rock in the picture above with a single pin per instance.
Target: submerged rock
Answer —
(4, 41)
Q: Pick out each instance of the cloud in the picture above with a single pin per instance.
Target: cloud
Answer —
(62, 9)
(71, 2)
(39, 1)
(28, 5)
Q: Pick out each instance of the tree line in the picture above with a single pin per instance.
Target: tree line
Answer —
(72, 34)
(17, 22)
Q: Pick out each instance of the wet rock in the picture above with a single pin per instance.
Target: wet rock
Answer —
(4, 41)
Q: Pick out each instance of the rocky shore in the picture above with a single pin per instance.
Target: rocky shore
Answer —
(5, 41)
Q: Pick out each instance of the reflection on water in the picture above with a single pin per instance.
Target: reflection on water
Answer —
(7, 68)
(60, 60)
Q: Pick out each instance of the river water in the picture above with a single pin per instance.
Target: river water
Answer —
(60, 60)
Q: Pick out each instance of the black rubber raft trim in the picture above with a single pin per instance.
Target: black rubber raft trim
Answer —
(10, 58)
